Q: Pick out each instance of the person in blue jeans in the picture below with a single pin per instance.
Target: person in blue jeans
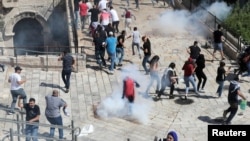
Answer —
(16, 89)
(111, 50)
(32, 116)
(189, 69)
(76, 12)
(52, 112)
(147, 53)
(67, 63)
(154, 74)
(120, 47)
(221, 76)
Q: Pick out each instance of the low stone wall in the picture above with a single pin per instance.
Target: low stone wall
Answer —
(43, 62)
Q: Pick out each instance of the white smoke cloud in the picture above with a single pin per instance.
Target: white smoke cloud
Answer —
(220, 9)
(115, 106)
(173, 22)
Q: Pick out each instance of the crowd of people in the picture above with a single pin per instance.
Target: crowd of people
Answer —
(52, 112)
(104, 25)
(105, 38)
(104, 29)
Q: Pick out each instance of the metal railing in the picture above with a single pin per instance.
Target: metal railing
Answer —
(39, 57)
(75, 131)
(211, 21)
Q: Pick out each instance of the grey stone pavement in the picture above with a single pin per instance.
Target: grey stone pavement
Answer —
(91, 86)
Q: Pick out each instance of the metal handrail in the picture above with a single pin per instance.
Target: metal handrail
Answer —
(45, 52)
(18, 134)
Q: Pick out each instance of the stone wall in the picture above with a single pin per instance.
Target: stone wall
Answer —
(44, 62)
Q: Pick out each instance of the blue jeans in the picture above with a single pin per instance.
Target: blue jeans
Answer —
(120, 54)
(83, 21)
(31, 130)
(171, 2)
(220, 87)
(218, 46)
(188, 79)
(76, 19)
(66, 77)
(15, 94)
(154, 76)
(112, 57)
(55, 121)
(127, 2)
(144, 62)
(137, 46)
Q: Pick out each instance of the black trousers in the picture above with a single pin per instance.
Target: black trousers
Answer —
(233, 110)
(202, 78)
(115, 25)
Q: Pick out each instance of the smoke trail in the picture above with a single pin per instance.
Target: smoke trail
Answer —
(173, 22)
(115, 106)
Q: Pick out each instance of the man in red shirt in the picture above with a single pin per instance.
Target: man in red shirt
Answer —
(83, 13)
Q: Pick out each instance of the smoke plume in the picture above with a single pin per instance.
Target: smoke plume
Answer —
(174, 22)
(115, 106)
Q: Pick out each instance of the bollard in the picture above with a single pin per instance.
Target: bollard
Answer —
(11, 134)
(22, 123)
(18, 127)
(47, 59)
(73, 132)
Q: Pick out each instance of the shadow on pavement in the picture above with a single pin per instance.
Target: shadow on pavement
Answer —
(207, 119)
(43, 84)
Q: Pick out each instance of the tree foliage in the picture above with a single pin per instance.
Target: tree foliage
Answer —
(238, 22)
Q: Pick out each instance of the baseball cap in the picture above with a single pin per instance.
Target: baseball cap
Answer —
(18, 68)
(110, 33)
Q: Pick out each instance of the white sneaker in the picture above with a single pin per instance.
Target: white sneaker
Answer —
(202, 90)
(111, 72)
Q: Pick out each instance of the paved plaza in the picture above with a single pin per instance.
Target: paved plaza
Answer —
(91, 86)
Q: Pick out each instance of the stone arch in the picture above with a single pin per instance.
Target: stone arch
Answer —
(9, 26)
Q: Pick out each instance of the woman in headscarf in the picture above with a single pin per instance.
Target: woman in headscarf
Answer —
(169, 79)
(172, 136)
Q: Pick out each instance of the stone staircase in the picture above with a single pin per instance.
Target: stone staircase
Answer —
(39, 84)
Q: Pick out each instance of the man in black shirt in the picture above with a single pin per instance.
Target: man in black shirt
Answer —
(147, 53)
(99, 49)
(234, 91)
(94, 14)
(32, 116)
(194, 51)
(68, 62)
(120, 47)
(218, 37)
(110, 28)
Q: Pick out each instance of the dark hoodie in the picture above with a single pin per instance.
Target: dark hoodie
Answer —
(233, 92)
(200, 62)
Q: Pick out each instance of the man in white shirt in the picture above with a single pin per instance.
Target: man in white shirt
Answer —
(16, 90)
(136, 41)
(115, 19)
(102, 4)
(90, 6)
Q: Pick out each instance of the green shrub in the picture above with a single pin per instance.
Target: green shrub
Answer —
(238, 21)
